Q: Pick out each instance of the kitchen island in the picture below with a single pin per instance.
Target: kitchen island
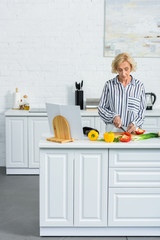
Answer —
(100, 189)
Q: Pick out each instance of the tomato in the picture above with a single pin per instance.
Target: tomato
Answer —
(126, 137)
(139, 131)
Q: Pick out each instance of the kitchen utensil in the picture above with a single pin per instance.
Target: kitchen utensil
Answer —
(79, 85)
(79, 94)
(122, 129)
(150, 100)
(117, 134)
(79, 98)
(61, 130)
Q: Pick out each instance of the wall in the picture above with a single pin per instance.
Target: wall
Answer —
(47, 45)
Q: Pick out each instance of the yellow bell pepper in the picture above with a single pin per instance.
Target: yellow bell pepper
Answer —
(109, 136)
(93, 135)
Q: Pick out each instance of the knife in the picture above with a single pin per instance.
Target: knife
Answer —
(122, 129)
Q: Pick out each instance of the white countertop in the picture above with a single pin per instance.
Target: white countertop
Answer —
(84, 113)
(86, 143)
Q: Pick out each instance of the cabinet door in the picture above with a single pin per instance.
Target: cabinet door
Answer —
(88, 122)
(100, 126)
(151, 124)
(16, 142)
(37, 127)
(134, 207)
(56, 188)
(90, 189)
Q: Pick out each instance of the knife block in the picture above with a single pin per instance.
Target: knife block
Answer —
(61, 130)
(79, 98)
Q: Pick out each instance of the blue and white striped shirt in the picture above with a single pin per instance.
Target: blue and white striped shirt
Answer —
(128, 102)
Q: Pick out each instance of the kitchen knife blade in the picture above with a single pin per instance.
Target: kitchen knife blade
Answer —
(122, 129)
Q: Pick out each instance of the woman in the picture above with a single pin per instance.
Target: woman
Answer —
(123, 98)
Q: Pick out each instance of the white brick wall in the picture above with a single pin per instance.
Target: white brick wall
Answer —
(47, 45)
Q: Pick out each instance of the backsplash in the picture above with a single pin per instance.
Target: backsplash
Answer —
(48, 45)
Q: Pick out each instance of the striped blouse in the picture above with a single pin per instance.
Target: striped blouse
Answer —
(127, 102)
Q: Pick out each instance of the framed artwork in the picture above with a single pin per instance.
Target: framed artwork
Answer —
(132, 26)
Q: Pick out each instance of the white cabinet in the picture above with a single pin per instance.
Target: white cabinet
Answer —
(134, 207)
(56, 188)
(88, 122)
(100, 126)
(88, 192)
(24, 130)
(90, 189)
(16, 142)
(37, 127)
(134, 187)
(151, 124)
(77, 200)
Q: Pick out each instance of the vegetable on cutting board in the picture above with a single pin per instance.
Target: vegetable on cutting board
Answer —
(139, 131)
(146, 136)
(126, 137)
(109, 136)
(93, 135)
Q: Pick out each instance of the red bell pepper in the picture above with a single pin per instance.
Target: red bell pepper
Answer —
(139, 131)
(126, 137)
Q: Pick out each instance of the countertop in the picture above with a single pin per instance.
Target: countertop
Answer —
(84, 113)
(86, 144)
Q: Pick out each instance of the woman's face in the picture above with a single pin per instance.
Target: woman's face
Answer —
(124, 70)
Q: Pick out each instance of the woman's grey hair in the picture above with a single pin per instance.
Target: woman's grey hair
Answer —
(122, 57)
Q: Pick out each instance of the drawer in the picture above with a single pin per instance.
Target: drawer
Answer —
(133, 177)
(134, 207)
(134, 158)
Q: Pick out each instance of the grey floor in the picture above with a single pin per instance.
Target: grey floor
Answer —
(19, 210)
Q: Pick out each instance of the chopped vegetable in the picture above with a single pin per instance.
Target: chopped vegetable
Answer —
(139, 131)
(101, 140)
(109, 136)
(117, 139)
(93, 135)
(126, 137)
(145, 136)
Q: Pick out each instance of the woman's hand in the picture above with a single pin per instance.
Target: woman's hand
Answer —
(131, 128)
(117, 122)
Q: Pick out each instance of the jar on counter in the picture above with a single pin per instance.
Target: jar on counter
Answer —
(21, 105)
(26, 102)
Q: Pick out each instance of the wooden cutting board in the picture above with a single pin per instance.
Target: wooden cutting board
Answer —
(61, 130)
(117, 134)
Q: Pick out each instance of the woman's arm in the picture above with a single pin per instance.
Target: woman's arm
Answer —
(104, 106)
(138, 121)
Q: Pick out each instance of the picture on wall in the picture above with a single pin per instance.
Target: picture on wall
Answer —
(132, 26)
